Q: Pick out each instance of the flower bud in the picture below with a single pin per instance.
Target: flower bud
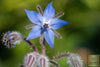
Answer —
(16, 36)
(11, 38)
(30, 59)
(7, 42)
(43, 61)
(74, 60)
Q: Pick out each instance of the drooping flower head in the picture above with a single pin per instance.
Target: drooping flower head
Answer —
(11, 38)
(44, 24)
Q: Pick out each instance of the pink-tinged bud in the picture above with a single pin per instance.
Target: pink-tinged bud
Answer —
(43, 61)
(30, 59)
(74, 60)
(36, 54)
(10, 39)
(16, 36)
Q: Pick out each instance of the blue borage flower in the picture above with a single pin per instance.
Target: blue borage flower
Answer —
(7, 41)
(45, 23)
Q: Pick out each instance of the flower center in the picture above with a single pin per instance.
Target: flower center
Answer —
(46, 25)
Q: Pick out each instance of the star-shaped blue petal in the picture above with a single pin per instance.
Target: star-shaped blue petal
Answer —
(49, 12)
(35, 32)
(57, 23)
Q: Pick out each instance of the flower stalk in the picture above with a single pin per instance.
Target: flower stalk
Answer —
(31, 44)
(43, 47)
(60, 56)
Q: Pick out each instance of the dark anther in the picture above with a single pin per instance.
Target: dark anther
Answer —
(45, 26)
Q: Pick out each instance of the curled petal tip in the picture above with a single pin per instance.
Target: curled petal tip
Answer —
(70, 23)
(25, 9)
(51, 47)
(51, 2)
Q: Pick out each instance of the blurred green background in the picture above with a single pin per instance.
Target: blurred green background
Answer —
(82, 36)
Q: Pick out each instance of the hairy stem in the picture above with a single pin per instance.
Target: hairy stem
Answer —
(60, 56)
(31, 44)
(43, 47)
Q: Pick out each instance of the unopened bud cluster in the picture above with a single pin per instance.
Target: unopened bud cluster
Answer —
(34, 59)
